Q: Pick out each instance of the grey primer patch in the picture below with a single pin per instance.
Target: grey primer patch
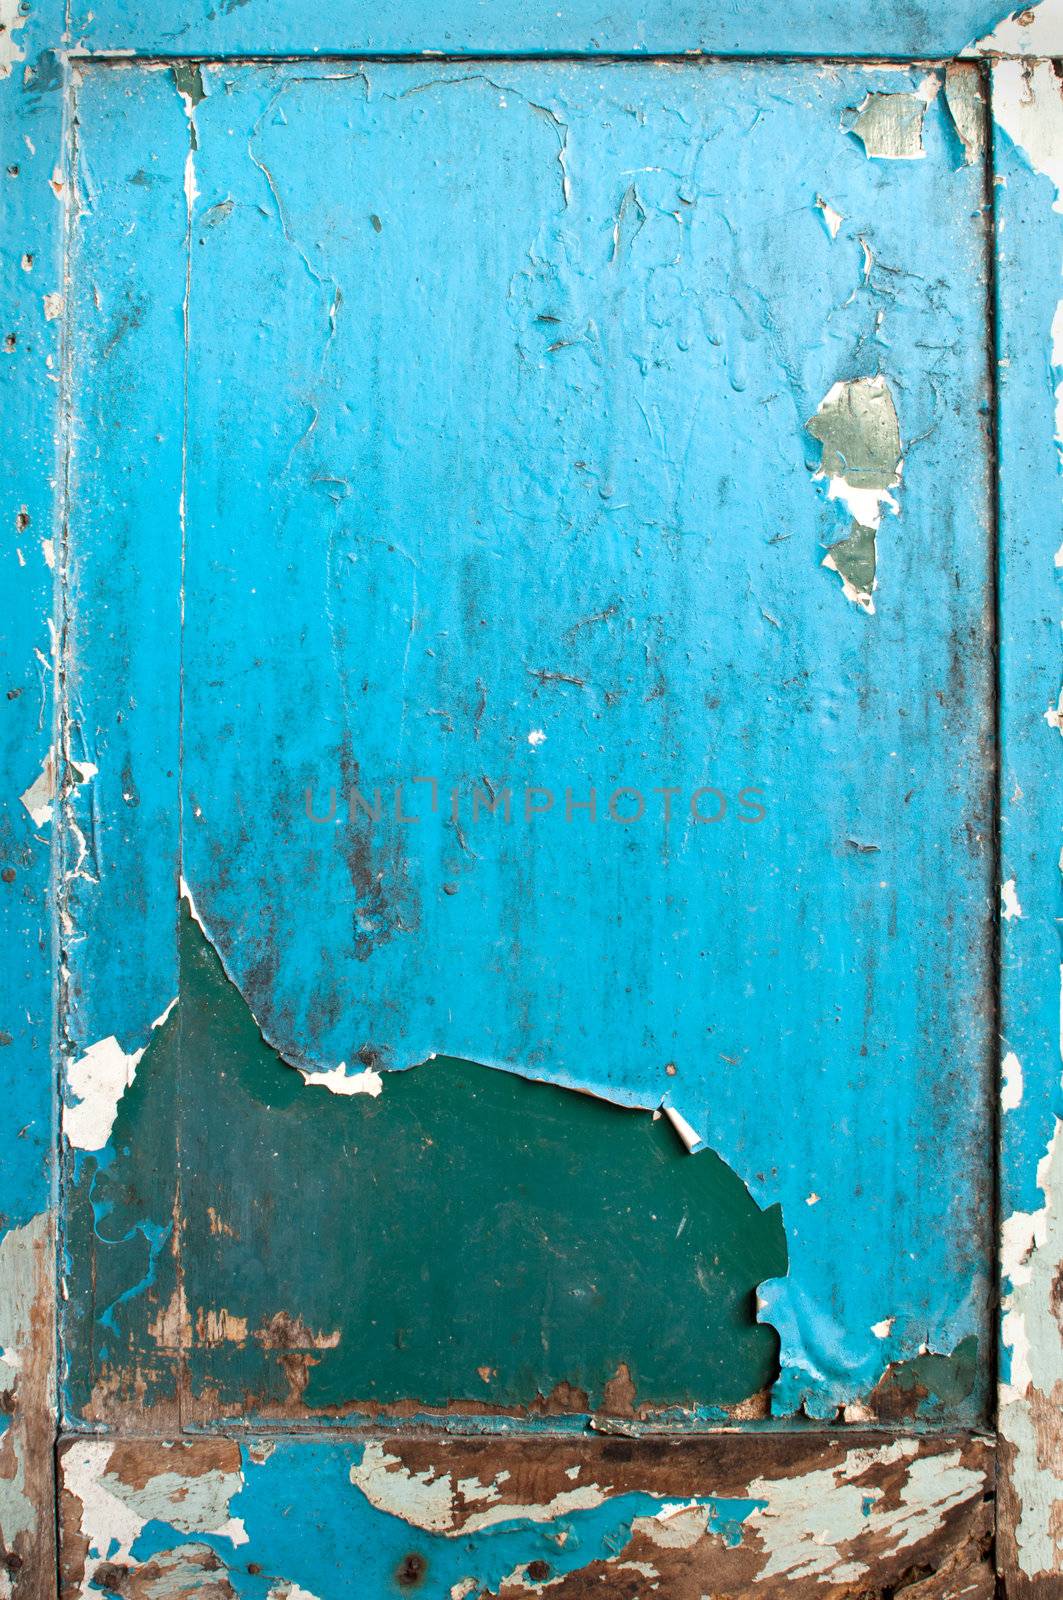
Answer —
(890, 126)
(963, 96)
(857, 426)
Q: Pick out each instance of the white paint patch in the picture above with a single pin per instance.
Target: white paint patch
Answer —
(1009, 901)
(1035, 30)
(832, 219)
(1029, 107)
(690, 1136)
(675, 1526)
(11, 18)
(339, 1081)
(883, 1329)
(1054, 714)
(808, 1519)
(426, 1499)
(113, 1512)
(48, 552)
(536, 738)
(39, 798)
(1011, 1087)
(186, 895)
(99, 1079)
(423, 1499)
(1031, 1250)
(53, 307)
(568, 1500)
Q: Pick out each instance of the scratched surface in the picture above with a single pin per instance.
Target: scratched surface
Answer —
(496, 472)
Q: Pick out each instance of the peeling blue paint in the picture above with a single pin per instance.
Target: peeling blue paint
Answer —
(31, 283)
(718, 315)
(1029, 242)
(305, 1520)
(879, 1054)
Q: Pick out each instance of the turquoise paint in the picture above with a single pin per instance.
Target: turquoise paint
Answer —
(647, 385)
(31, 149)
(30, 364)
(895, 28)
(338, 490)
(1028, 263)
(306, 1522)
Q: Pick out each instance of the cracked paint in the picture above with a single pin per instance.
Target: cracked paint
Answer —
(30, 430)
(806, 1527)
(116, 1500)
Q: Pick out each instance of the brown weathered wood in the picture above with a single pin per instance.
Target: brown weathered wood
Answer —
(847, 1514)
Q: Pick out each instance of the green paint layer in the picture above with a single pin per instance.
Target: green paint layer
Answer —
(469, 1235)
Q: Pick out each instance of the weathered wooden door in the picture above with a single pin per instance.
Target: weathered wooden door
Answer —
(537, 672)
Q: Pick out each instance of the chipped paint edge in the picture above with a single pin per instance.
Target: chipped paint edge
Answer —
(1027, 117)
(801, 1511)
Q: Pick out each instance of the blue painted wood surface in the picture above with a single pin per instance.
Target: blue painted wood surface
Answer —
(894, 29)
(498, 465)
(446, 1519)
(116, 966)
(32, 771)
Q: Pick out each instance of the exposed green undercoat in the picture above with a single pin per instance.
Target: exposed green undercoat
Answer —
(929, 1386)
(484, 1238)
(854, 558)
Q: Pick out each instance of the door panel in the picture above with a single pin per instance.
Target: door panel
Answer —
(482, 433)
